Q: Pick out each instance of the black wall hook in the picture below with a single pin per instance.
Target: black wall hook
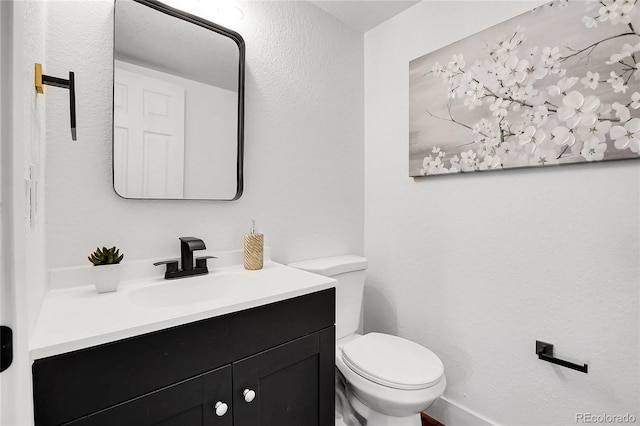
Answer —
(545, 352)
(41, 79)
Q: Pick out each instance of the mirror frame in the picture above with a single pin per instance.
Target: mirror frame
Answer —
(237, 38)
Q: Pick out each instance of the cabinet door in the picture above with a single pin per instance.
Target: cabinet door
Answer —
(187, 403)
(292, 384)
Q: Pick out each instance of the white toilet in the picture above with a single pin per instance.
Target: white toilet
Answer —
(390, 379)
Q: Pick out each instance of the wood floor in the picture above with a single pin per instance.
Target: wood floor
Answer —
(430, 421)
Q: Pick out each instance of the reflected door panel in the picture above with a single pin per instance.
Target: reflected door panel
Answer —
(148, 137)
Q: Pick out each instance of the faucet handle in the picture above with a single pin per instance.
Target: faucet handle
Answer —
(172, 265)
(201, 262)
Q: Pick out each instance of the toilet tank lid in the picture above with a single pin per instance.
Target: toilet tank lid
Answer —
(330, 266)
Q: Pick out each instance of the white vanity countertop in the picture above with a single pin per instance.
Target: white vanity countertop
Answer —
(79, 317)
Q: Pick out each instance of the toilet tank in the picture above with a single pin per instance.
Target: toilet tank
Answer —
(349, 271)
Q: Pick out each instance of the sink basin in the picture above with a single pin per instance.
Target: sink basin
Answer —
(224, 286)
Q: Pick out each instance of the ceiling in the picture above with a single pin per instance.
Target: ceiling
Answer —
(364, 15)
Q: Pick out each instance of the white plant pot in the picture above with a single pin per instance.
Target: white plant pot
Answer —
(106, 277)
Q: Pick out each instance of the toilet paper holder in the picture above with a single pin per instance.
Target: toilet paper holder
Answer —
(545, 352)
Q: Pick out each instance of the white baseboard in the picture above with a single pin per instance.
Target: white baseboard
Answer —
(451, 414)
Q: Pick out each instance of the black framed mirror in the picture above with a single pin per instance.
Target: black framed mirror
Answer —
(178, 105)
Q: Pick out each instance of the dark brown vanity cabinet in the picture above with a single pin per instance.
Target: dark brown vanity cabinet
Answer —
(270, 365)
(190, 402)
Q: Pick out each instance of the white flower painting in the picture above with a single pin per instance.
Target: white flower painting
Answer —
(559, 84)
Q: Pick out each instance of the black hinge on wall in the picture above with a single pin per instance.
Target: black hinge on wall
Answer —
(6, 347)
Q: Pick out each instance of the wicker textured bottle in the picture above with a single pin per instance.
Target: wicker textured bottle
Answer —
(253, 249)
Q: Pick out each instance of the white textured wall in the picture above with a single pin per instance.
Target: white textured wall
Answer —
(303, 143)
(477, 267)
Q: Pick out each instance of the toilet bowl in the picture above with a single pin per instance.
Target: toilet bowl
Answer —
(390, 380)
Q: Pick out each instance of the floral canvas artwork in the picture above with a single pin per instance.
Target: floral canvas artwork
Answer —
(559, 84)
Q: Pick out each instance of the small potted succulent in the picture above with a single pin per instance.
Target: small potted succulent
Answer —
(106, 274)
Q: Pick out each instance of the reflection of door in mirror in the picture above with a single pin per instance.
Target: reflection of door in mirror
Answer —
(148, 136)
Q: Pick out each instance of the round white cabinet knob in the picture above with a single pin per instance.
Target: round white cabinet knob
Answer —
(249, 395)
(221, 408)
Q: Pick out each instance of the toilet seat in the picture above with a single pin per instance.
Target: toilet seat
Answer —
(393, 362)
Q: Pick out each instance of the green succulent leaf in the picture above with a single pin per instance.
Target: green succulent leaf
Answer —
(106, 256)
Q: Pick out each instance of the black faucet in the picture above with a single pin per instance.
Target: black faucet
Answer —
(187, 246)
